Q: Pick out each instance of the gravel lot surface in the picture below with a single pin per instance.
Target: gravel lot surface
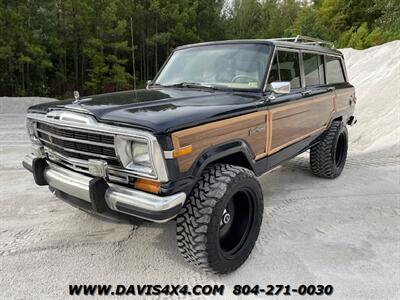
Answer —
(344, 232)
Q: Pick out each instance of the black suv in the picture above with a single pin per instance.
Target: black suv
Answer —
(189, 147)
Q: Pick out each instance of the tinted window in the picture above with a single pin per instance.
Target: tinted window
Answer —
(313, 69)
(232, 65)
(289, 68)
(334, 72)
(286, 68)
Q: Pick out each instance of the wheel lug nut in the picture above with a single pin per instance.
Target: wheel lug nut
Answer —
(226, 218)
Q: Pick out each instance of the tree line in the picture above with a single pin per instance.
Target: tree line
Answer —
(53, 47)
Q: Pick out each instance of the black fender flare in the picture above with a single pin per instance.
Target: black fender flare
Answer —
(220, 151)
(209, 156)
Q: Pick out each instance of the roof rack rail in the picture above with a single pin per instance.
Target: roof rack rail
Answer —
(306, 40)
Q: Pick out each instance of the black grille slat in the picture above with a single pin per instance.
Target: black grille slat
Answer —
(113, 162)
(93, 137)
(53, 136)
(79, 146)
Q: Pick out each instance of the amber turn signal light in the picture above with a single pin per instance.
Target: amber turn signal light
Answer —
(182, 151)
(147, 185)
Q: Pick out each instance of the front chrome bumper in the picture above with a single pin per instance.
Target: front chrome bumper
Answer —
(118, 198)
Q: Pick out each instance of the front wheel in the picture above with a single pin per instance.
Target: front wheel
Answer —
(219, 224)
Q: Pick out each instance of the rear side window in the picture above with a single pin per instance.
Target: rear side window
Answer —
(286, 67)
(313, 69)
(334, 71)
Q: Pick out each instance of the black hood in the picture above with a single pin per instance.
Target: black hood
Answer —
(161, 110)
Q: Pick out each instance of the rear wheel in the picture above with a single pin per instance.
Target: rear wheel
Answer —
(327, 158)
(220, 222)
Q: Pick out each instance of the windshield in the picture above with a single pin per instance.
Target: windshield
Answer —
(227, 65)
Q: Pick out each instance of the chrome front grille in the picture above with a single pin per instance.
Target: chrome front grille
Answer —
(73, 137)
(90, 138)
(78, 144)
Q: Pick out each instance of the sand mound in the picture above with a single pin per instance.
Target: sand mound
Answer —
(375, 73)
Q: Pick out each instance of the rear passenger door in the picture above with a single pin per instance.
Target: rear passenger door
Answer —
(336, 79)
(323, 96)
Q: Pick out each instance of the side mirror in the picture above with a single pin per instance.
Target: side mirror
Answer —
(280, 87)
(148, 82)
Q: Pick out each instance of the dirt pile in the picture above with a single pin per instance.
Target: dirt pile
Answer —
(375, 73)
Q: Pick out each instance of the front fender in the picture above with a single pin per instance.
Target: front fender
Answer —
(235, 152)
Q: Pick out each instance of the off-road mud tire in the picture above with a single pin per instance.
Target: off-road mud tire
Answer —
(328, 157)
(199, 221)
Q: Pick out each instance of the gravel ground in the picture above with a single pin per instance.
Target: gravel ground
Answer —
(343, 232)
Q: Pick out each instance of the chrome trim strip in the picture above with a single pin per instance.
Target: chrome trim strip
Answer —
(168, 154)
(74, 108)
(70, 162)
(66, 125)
(80, 152)
(269, 70)
(116, 178)
(93, 126)
(76, 140)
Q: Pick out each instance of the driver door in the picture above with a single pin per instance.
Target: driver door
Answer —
(300, 114)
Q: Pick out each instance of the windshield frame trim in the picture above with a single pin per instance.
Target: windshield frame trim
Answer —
(207, 44)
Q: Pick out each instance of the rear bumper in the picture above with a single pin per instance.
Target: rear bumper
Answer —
(115, 197)
(352, 121)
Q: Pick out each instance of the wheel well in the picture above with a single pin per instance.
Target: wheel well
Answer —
(238, 159)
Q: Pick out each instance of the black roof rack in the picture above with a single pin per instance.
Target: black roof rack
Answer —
(306, 40)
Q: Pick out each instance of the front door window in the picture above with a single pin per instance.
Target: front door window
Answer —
(286, 67)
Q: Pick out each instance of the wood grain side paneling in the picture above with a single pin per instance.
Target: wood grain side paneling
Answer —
(342, 99)
(276, 129)
(204, 136)
(293, 122)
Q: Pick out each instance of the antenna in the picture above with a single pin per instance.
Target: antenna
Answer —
(133, 57)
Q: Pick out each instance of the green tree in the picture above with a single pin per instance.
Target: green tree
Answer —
(51, 47)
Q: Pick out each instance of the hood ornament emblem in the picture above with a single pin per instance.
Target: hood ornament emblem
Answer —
(76, 96)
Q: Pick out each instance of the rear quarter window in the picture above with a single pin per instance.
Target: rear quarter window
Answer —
(334, 70)
(313, 69)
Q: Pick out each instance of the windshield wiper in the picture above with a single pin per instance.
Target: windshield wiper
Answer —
(190, 84)
(195, 85)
